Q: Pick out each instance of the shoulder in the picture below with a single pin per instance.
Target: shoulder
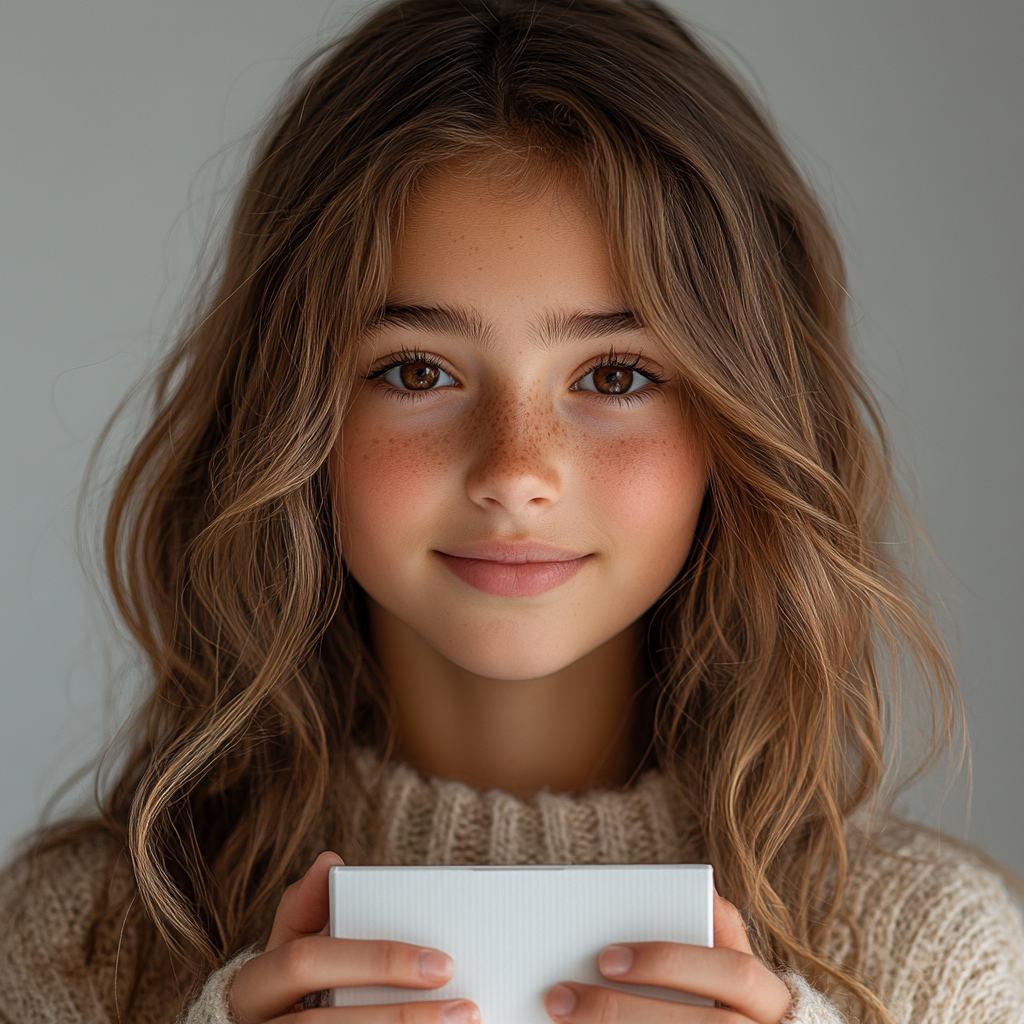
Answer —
(58, 886)
(70, 935)
(918, 877)
(932, 928)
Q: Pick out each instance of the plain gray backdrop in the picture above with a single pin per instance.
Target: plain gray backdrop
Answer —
(123, 123)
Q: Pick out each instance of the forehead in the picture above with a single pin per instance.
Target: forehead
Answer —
(468, 238)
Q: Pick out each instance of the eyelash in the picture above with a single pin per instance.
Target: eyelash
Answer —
(625, 363)
(608, 360)
(398, 359)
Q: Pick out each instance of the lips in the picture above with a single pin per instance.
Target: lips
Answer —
(512, 568)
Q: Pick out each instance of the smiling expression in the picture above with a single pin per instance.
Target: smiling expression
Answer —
(516, 477)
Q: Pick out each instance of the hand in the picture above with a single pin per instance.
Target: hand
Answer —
(301, 957)
(729, 974)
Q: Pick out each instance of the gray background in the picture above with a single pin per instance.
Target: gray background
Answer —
(123, 124)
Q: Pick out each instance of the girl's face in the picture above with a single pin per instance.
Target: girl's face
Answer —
(516, 478)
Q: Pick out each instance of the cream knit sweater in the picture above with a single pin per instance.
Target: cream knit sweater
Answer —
(942, 942)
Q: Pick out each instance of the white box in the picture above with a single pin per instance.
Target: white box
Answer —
(513, 932)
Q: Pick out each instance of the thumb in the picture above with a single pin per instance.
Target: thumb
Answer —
(303, 909)
(730, 930)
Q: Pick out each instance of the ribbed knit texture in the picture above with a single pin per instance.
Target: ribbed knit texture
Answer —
(942, 942)
(449, 823)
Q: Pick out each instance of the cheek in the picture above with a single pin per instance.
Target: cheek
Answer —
(649, 491)
(388, 480)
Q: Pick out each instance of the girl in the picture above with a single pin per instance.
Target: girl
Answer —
(512, 497)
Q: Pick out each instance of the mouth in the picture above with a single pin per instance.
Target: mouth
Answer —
(512, 568)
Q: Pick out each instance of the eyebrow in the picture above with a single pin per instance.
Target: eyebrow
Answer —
(467, 323)
(436, 319)
(581, 326)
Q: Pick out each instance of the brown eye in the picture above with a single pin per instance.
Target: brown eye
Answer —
(415, 375)
(612, 380)
(419, 376)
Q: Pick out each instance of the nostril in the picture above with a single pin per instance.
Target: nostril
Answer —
(515, 493)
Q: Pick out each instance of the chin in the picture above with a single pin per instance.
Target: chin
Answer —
(518, 659)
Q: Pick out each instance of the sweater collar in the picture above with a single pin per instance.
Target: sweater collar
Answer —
(438, 821)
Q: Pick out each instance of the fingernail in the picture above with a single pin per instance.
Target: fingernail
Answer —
(615, 960)
(461, 1012)
(434, 965)
(561, 1001)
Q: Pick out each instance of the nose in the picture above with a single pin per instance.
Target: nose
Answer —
(516, 465)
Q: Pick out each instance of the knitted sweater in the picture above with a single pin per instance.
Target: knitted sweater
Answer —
(941, 941)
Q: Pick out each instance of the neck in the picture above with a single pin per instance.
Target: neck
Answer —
(568, 732)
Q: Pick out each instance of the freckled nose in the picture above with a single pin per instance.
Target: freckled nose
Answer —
(516, 466)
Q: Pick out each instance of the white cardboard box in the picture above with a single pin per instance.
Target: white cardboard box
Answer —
(513, 932)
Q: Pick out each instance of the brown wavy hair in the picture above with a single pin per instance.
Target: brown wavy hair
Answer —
(775, 651)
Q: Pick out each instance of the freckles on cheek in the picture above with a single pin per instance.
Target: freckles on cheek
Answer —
(649, 482)
(388, 477)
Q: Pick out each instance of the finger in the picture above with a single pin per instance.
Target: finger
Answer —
(737, 979)
(730, 928)
(271, 984)
(304, 908)
(456, 1011)
(573, 1003)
